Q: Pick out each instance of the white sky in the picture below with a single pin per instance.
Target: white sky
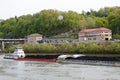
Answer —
(11, 8)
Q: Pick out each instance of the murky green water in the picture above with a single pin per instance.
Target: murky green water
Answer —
(28, 70)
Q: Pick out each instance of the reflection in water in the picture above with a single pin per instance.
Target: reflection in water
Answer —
(28, 70)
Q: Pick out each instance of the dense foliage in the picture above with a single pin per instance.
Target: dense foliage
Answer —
(46, 22)
(69, 48)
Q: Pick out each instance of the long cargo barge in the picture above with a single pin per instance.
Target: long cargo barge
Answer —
(89, 60)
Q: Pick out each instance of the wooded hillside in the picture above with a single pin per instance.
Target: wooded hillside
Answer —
(47, 23)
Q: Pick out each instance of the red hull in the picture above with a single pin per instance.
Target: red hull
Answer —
(37, 59)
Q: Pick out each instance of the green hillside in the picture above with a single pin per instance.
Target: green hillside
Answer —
(48, 23)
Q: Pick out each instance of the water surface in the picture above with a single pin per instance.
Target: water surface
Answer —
(31, 70)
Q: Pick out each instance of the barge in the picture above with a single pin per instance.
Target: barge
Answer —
(89, 60)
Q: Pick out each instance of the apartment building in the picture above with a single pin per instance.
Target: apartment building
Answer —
(95, 35)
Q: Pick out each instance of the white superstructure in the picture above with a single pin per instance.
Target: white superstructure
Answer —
(18, 53)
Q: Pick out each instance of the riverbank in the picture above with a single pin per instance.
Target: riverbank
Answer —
(69, 48)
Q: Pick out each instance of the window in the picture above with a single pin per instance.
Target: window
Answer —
(89, 38)
(94, 38)
(84, 38)
(106, 34)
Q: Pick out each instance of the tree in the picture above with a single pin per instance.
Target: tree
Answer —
(46, 22)
(114, 21)
(101, 22)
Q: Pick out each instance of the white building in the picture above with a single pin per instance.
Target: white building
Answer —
(95, 35)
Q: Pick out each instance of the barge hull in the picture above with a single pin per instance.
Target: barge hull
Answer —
(36, 59)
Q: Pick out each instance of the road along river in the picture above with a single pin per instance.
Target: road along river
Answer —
(33, 70)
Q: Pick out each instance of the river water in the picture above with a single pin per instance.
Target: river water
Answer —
(31, 70)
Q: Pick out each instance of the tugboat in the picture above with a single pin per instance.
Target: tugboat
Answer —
(18, 53)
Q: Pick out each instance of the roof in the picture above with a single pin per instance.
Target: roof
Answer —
(95, 29)
(35, 35)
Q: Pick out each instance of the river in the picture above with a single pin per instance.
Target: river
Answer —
(31, 70)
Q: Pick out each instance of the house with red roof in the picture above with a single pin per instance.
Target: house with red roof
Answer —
(95, 35)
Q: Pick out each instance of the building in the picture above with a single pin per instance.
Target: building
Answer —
(95, 35)
(34, 38)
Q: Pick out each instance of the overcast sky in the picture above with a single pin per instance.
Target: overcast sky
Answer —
(11, 8)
